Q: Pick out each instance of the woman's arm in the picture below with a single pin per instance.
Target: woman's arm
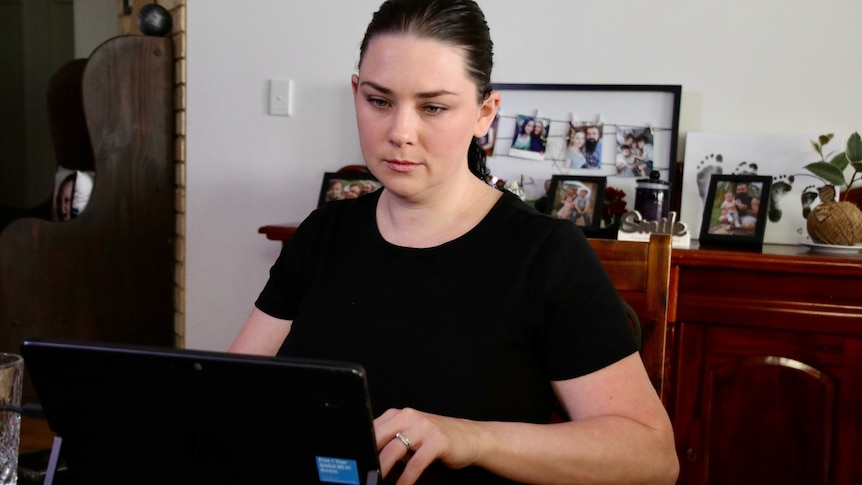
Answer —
(619, 433)
(261, 334)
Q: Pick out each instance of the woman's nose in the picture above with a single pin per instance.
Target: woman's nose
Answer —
(403, 128)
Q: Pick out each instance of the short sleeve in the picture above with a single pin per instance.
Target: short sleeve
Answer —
(282, 292)
(586, 327)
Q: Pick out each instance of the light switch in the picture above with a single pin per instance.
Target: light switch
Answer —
(280, 92)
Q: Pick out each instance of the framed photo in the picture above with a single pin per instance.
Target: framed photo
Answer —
(735, 211)
(337, 186)
(579, 199)
(619, 131)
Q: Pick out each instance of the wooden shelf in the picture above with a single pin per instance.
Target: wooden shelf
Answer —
(278, 232)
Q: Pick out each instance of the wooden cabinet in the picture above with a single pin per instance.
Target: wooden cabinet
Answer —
(768, 367)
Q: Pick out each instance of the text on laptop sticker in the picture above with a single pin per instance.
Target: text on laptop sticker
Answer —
(337, 470)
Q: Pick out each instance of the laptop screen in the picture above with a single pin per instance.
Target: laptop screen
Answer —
(134, 414)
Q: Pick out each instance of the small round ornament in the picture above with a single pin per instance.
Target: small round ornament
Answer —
(154, 20)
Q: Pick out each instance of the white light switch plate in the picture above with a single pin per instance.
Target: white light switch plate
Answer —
(280, 93)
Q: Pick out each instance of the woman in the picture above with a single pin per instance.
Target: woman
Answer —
(524, 138)
(538, 138)
(575, 156)
(475, 312)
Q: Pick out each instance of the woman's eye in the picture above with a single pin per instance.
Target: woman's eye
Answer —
(433, 110)
(378, 103)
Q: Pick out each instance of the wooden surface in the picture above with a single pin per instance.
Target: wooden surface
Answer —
(278, 232)
(769, 367)
(35, 435)
(108, 274)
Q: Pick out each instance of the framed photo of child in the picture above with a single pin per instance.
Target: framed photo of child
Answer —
(735, 211)
(579, 199)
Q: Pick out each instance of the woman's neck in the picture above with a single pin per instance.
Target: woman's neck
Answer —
(436, 221)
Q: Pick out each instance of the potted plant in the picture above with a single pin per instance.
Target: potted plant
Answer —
(836, 222)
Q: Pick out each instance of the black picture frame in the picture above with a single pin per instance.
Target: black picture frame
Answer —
(563, 186)
(652, 109)
(745, 223)
(363, 181)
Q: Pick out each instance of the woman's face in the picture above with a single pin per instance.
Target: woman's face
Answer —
(417, 112)
(528, 126)
(579, 139)
(537, 129)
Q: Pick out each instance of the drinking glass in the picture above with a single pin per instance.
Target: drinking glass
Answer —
(11, 377)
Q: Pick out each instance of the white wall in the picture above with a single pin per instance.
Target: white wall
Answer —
(771, 66)
(95, 22)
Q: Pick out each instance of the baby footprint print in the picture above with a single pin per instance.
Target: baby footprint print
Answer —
(781, 185)
(708, 166)
(745, 168)
(809, 195)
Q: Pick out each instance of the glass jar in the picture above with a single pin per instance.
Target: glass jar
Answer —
(652, 197)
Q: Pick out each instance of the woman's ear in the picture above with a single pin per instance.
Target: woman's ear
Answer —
(354, 82)
(487, 113)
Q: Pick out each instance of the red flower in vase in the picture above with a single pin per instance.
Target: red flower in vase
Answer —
(614, 207)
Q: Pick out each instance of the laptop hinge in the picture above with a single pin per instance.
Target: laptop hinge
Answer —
(53, 460)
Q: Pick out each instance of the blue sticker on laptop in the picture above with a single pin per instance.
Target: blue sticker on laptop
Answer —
(337, 470)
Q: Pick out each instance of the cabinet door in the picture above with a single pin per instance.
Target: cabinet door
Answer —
(766, 406)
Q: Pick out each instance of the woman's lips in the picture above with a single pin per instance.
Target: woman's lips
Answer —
(401, 166)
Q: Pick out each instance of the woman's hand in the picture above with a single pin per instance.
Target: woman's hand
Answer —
(620, 433)
(455, 442)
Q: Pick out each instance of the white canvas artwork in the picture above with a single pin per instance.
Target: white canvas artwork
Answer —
(781, 156)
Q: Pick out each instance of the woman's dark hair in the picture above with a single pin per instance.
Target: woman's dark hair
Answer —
(459, 23)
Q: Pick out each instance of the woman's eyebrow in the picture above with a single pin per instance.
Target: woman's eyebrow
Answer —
(385, 90)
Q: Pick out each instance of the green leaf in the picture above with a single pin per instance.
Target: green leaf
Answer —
(824, 139)
(816, 146)
(827, 172)
(854, 148)
(856, 166)
(840, 161)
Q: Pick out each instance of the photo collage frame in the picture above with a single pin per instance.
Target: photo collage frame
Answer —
(620, 133)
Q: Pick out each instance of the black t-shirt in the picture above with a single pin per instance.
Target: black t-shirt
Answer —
(474, 328)
(745, 200)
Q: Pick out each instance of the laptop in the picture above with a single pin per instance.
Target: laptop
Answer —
(144, 415)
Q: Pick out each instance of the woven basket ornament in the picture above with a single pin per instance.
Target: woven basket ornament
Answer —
(832, 222)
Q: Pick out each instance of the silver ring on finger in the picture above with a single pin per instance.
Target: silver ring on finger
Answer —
(404, 440)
